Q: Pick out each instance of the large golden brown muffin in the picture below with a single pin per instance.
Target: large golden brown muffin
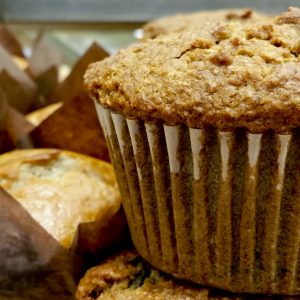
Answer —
(227, 75)
(61, 189)
(182, 22)
(203, 129)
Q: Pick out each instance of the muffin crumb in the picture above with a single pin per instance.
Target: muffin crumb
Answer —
(292, 16)
(221, 58)
(243, 15)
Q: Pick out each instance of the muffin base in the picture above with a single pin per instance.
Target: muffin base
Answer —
(215, 208)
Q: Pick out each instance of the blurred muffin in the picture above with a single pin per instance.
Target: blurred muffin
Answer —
(127, 276)
(181, 22)
(203, 129)
(38, 116)
(62, 190)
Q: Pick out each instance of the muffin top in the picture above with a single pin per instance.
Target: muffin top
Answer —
(180, 22)
(60, 189)
(127, 276)
(225, 75)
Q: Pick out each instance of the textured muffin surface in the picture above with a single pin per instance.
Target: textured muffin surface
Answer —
(126, 276)
(227, 75)
(181, 22)
(60, 189)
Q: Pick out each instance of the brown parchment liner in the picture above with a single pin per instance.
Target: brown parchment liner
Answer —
(215, 208)
(33, 265)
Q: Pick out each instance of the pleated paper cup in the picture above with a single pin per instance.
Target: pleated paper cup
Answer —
(215, 208)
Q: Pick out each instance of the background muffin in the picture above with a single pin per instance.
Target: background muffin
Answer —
(126, 275)
(62, 190)
(181, 22)
(203, 128)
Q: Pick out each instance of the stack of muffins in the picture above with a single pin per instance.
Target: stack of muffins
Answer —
(202, 126)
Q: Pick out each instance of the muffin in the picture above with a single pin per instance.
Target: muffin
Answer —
(181, 22)
(203, 130)
(62, 190)
(127, 276)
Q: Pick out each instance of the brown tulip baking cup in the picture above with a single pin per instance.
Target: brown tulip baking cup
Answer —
(216, 208)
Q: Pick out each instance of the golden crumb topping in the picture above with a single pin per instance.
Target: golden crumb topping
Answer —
(180, 22)
(225, 75)
(126, 276)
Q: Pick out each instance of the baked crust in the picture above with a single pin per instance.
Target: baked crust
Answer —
(61, 190)
(126, 276)
(180, 22)
(226, 75)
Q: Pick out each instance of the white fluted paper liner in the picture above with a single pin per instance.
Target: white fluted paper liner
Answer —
(216, 208)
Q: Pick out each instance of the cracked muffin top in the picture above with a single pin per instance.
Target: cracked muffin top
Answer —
(180, 22)
(226, 75)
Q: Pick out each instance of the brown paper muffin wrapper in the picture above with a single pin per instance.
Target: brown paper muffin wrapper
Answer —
(215, 208)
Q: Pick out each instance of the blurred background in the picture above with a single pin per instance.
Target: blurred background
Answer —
(72, 25)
